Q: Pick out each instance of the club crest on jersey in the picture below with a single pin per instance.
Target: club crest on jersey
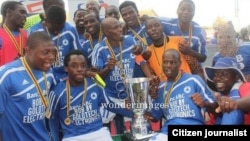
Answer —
(93, 95)
(65, 42)
(187, 89)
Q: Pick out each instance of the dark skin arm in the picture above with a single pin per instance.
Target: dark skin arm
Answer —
(227, 104)
(154, 82)
(198, 100)
(110, 65)
(187, 50)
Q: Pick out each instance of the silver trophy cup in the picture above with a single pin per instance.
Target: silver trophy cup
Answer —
(137, 89)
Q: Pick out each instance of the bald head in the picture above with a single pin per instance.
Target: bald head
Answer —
(174, 53)
(108, 22)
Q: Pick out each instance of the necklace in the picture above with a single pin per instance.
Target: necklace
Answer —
(38, 88)
(158, 60)
(99, 39)
(67, 120)
(141, 39)
(190, 33)
(171, 88)
(119, 63)
(19, 47)
(58, 55)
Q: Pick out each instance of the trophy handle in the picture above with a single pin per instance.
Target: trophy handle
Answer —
(122, 90)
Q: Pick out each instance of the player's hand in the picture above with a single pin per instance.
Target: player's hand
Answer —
(153, 89)
(146, 54)
(226, 104)
(197, 99)
(185, 48)
(137, 49)
(111, 63)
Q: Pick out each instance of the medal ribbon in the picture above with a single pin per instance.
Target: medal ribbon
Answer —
(171, 88)
(114, 56)
(33, 78)
(68, 96)
(190, 33)
(160, 64)
(14, 41)
(141, 39)
(99, 38)
(57, 47)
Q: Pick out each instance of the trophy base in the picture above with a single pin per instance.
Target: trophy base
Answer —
(131, 137)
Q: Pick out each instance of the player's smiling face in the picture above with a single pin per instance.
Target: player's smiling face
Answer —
(42, 56)
(224, 79)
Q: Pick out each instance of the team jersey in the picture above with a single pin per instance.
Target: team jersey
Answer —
(216, 57)
(198, 35)
(100, 57)
(141, 32)
(236, 117)
(66, 41)
(8, 51)
(181, 108)
(20, 104)
(243, 57)
(85, 118)
(88, 47)
(155, 61)
(114, 86)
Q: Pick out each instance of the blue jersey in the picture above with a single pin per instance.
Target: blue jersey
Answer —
(181, 108)
(198, 35)
(20, 104)
(89, 46)
(141, 31)
(81, 37)
(243, 57)
(236, 117)
(100, 57)
(66, 41)
(216, 57)
(114, 86)
(85, 118)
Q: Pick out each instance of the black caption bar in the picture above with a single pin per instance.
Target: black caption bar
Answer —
(209, 132)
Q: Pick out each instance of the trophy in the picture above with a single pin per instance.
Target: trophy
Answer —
(137, 89)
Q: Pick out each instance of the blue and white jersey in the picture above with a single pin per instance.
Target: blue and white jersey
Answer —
(81, 37)
(66, 41)
(100, 57)
(85, 118)
(88, 47)
(243, 57)
(216, 57)
(141, 30)
(198, 35)
(23, 113)
(181, 108)
(236, 117)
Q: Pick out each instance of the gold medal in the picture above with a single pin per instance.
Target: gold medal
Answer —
(67, 121)
(47, 114)
(123, 75)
